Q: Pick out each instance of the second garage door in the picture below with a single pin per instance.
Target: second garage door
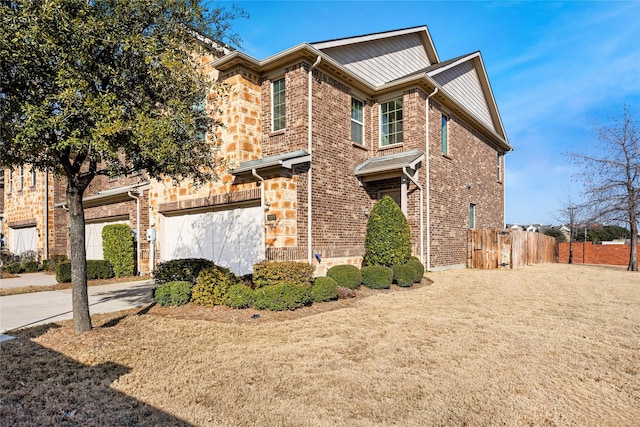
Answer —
(231, 238)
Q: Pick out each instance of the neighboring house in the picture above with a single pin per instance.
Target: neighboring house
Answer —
(314, 136)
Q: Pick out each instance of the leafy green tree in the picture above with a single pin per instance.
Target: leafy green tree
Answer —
(108, 87)
(388, 238)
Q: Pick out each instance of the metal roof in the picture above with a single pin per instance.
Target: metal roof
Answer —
(285, 160)
(391, 162)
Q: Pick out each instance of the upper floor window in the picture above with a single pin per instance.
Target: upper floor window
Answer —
(10, 180)
(357, 121)
(278, 116)
(33, 177)
(499, 165)
(21, 177)
(472, 215)
(391, 128)
(445, 134)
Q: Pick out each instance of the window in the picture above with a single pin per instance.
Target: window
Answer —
(445, 134)
(499, 166)
(472, 216)
(391, 130)
(21, 177)
(33, 177)
(357, 121)
(278, 116)
(11, 181)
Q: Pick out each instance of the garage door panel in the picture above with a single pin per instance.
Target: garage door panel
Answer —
(230, 238)
(22, 240)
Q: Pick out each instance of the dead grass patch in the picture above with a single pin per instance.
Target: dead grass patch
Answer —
(545, 345)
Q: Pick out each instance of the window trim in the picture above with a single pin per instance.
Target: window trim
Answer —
(401, 121)
(499, 165)
(283, 116)
(444, 133)
(356, 122)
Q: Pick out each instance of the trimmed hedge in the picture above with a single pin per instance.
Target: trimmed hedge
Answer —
(388, 238)
(403, 275)
(96, 269)
(283, 296)
(30, 266)
(270, 273)
(324, 289)
(212, 286)
(185, 269)
(240, 296)
(377, 276)
(347, 276)
(117, 247)
(13, 268)
(173, 293)
(417, 267)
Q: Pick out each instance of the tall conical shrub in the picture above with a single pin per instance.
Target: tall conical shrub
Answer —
(388, 239)
(117, 248)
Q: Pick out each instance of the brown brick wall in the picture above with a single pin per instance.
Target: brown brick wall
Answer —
(589, 253)
(470, 159)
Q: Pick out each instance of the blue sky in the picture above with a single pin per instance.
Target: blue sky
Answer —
(557, 69)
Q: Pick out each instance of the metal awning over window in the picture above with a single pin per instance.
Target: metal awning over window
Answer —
(389, 166)
(273, 163)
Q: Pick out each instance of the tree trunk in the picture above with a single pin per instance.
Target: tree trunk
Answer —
(80, 296)
(633, 254)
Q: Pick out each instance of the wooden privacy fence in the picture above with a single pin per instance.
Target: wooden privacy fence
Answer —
(491, 249)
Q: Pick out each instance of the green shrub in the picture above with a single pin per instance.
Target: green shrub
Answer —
(46, 265)
(30, 266)
(63, 272)
(173, 293)
(418, 269)
(57, 258)
(377, 276)
(283, 296)
(99, 269)
(347, 276)
(186, 269)
(14, 268)
(271, 273)
(96, 269)
(324, 289)
(403, 275)
(212, 286)
(240, 296)
(388, 238)
(117, 247)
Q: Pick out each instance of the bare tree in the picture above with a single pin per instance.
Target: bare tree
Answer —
(611, 176)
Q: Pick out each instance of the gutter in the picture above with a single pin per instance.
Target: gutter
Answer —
(310, 151)
(254, 173)
(46, 215)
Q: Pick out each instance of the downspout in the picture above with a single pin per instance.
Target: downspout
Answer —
(46, 215)
(138, 237)
(404, 171)
(428, 171)
(310, 151)
(254, 173)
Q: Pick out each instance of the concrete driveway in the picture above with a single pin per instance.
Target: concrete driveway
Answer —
(37, 308)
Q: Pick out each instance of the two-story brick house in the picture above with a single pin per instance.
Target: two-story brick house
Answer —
(314, 136)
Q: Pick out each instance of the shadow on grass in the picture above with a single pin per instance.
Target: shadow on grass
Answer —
(43, 387)
(114, 322)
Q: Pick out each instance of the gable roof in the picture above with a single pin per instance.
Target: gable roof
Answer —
(388, 61)
(382, 57)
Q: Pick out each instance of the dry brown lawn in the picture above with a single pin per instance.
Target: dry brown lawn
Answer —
(544, 345)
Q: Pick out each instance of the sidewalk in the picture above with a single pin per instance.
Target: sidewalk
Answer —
(37, 308)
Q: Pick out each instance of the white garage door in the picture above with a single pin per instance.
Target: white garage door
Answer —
(231, 238)
(23, 239)
(93, 237)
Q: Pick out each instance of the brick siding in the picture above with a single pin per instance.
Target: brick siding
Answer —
(589, 253)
